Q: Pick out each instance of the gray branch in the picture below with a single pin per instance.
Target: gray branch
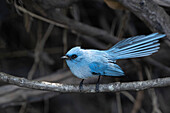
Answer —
(58, 87)
(148, 11)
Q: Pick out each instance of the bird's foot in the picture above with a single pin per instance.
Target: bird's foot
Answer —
(97, 85)
(97, 88)
(81, 85)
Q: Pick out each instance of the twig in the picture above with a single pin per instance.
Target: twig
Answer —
(76, 27)
(140, 94)
(123, 24)
(58, 87)
(39, 17)
(157, 64)
(23, 108)
(137, 103)
(65, 48)
(129, 96)
(132, 99)
(119, 103)
(153, 94)
(94, 42)
(38, 50)
(46, 105)
(28, 53)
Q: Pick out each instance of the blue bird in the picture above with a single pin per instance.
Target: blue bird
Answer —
(85, 63)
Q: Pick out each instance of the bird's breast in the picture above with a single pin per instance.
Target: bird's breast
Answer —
(81, 70)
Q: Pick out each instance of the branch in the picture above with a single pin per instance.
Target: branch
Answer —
(62, 21)
(58, 87)
(9, 94)
(165, 3)
(148, 11)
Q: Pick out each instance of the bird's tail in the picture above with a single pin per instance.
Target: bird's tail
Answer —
(138, 46)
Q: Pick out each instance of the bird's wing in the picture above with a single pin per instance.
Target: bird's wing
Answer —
(108, 69)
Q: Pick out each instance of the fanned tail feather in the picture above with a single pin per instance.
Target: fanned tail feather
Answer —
(134, 47)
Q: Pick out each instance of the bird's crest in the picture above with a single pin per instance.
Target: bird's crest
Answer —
(75, 50)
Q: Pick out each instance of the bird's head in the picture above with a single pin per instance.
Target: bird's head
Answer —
(73, 55)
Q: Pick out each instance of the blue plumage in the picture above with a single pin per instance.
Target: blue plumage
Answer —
(107, 69)
(134, 47)
(85, 63)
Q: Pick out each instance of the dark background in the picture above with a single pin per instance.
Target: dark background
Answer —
(22, 54)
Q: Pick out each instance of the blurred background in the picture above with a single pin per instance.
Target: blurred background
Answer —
(35, 34)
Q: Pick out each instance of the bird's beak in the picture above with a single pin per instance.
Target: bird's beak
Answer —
(65, 57)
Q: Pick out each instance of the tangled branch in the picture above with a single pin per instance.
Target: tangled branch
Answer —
(58, 87)
(148, 11)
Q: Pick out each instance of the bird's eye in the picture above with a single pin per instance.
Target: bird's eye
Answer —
(73, 56)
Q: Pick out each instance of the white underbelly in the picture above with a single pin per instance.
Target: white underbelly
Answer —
(82, 72)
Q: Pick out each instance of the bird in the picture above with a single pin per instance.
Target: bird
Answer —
(86, 63)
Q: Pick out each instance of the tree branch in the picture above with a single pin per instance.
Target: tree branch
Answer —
(148, 11)
(58, 87)
(9, 94)
(62, 21)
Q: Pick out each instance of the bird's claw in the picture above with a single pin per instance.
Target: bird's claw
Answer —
(80, 87)
(97, 85)
(97, 88)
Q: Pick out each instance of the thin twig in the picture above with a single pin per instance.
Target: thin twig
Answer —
(65, 48)
(123, 24)
(39, 17)
(157, 64)
(153, 94)
(46, 105)
(132, 99)
(76, 27)
(29, 53)
(119, 103)
(38, 50)
(23, 108)
(140, 94)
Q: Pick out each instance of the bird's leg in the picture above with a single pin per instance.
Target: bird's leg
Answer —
(97, 84)
(81, 85)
